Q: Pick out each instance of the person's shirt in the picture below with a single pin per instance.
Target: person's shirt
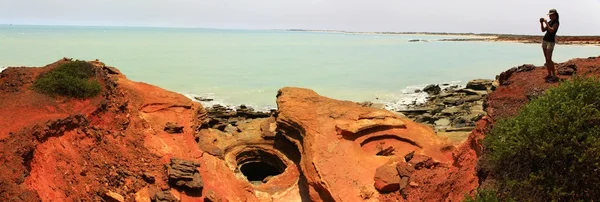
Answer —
(551, 36)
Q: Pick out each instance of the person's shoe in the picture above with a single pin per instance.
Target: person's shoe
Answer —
(552, 79)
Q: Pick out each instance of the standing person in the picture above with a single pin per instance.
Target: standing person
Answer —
(549, 41)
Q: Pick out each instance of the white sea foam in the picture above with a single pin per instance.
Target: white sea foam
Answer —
(2, 68)
(412, 96)
(404, 99)
(218, 101)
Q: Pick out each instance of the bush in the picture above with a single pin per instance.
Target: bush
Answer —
(551, 150)
(485, 195)
(71, 79)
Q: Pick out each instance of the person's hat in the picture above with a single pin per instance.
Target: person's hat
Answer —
(552, 11)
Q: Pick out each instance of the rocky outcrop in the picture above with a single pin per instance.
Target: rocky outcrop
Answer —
(185, 174)
(453, 112)
(328, 133)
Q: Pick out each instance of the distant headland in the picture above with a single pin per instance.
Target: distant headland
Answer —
(567, 40)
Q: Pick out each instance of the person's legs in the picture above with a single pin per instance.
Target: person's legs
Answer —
(549, 62)
(545, 50)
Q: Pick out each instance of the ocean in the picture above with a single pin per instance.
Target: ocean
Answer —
(236, 67)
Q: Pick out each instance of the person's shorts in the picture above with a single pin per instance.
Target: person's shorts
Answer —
(548, 45)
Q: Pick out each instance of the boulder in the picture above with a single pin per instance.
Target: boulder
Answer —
(404, 169)
(164, 196)
(202, 99)
(472, 92)
(420, 161)
(432, 89)
(114, 197)
(387, 178)
(425, 118)
(479, 84)
(450, 111)
(452, 101)
(173, 128)
(231, 129)
(443, 122)
(567, 69)
(142, 195)
(185, 174)
(211, 196)
(473, 117)
(148, 177)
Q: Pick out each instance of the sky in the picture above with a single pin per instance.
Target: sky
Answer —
(578, 17)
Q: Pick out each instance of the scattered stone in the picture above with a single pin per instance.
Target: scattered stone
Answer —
(211, 196)
(404, 170)
(421, 161)
(432, 89)
(450, 111)
(389, 151)
(479, 84)
(413, 184)
(404, 182)
(534, 93)
(452, 101)
(409, 156)
(365, 193)
(459, 122)
(451, 88)
(473, 117)
(442, 122)
(504, 76)
(567, 69)
(418, 91)
(164, 196)
(148, 177)
(425, 118)
(387, 178)
(173, 128)
(201, 99)
(142, 195)
(231, 129)
(185, 174)
(114, 197)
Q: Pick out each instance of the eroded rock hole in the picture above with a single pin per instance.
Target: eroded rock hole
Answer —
(259, 166)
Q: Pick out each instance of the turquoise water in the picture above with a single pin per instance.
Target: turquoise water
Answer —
(248, 67)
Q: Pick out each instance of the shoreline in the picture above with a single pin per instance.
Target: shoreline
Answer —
(486, 37)
(402, 99)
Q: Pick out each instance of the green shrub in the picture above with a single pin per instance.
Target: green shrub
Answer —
(551, 150)
(485, 195)
(71, 79)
